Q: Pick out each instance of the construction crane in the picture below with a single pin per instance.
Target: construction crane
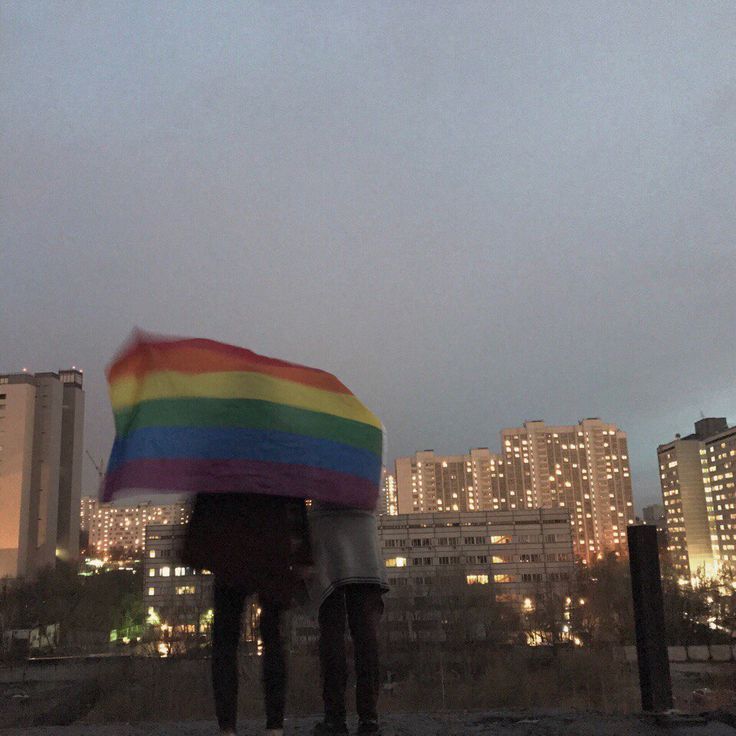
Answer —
(99, 467)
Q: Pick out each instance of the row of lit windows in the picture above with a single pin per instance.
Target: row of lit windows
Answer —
(179, 590)
(165, 571)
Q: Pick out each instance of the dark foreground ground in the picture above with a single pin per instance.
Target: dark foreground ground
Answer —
(414, 724)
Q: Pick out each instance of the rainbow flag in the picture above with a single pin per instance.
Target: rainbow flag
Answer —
(195, 415)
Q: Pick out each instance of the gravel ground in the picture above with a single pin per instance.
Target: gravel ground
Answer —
(413, 724)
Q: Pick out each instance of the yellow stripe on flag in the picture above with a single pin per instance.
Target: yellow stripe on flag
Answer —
(130, 390)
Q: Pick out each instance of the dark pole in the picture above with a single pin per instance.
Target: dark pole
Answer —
(651, 641)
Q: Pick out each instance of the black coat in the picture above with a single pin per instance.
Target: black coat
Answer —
(256, 542)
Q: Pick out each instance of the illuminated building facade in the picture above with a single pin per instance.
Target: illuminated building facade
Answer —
(718, 457)
(389, 503)
(518, 553)
(120, 530)
(583, 468)
(177, 594)
(428, 483)
(519, 558)
(178, 599)
(696, 477)
(515, 557)
(41, 426)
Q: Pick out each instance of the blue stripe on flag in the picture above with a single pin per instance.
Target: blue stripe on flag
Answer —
(243, 444)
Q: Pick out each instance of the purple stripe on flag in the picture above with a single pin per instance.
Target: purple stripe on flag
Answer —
(247, 476)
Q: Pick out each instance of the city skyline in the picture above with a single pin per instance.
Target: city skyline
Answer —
(581, 469)
(472, 218)
(90, 471)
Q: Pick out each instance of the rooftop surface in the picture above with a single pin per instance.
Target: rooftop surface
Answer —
(415, 724)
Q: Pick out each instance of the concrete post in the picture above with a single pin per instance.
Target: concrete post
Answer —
(651, 641)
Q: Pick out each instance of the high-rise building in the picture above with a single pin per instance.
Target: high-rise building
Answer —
(684, 472)
(583, 468)
(718, 456)
(70, 464)
(389, 502)
(120, 530)
(41, 426)
(428, 483)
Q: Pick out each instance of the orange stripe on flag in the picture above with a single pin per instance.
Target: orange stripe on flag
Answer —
(185, 356)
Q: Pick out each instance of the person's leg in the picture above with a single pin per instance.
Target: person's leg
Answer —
(333, 665)
(364, 608)
(274, 663)
(228, 606)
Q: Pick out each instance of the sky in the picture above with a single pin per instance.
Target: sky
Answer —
(474, 213)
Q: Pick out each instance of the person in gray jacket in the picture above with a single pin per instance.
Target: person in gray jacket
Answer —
(348, 583)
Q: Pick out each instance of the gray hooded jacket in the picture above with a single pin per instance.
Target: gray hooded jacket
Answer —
(345, 549)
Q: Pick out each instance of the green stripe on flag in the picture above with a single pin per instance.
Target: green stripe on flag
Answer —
(251, 413)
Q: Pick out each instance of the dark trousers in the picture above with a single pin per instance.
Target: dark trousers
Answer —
(362, 605)
(228, 608)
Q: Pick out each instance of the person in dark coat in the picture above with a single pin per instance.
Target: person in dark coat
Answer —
(253, 544)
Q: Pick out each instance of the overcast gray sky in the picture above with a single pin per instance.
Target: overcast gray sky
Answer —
(473, 213)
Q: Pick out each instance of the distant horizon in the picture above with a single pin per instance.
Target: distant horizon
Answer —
(470, 213)
(639, 501)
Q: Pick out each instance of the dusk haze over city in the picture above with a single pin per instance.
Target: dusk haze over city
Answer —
(462, 270)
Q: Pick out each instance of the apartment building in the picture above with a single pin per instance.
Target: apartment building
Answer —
(41, 435)
(428, 483)
(583, 469)
(389, 501)
(718, 459)
(179, 599)
(518, 553)
(120, 530)
(174, 592)
(513, 557)
(698, 497)
(433, 561)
